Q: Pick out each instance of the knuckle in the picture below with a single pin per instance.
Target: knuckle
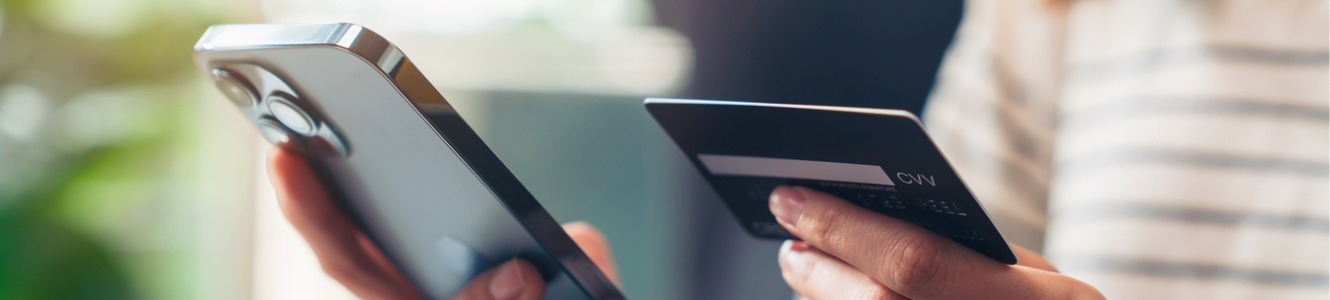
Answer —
(917, 268)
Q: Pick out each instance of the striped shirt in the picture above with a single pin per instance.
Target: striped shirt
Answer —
(1155, 149)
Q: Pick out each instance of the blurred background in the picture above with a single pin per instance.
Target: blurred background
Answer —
(124, 175)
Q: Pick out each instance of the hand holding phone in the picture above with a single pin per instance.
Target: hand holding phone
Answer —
(347, 256)
(393, 157)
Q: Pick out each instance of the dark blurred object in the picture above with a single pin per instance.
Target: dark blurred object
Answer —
(861, 53)
(856, 53)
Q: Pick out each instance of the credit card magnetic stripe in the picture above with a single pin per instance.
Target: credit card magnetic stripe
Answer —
(733, 165)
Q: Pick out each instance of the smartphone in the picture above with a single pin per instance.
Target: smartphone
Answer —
(879, 159)
(400, 161)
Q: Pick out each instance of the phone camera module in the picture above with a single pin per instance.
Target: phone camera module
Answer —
(235, 88)
(290, 115)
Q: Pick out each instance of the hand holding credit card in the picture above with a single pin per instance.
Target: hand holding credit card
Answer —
(880, 160)
(871, 207)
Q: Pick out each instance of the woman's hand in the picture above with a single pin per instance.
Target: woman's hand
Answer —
(851, 253)
(346, 254)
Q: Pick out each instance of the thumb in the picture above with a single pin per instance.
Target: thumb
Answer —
(512, 280)
(595, 246)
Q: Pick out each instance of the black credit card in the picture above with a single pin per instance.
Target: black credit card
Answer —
(879, 159)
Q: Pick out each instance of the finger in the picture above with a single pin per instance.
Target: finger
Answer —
(1031, 259)
(905, 258)
(815, 275)
(337, 243)
(512, 280)
(594, 244)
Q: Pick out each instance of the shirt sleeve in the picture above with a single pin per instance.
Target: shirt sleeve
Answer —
(992, 110)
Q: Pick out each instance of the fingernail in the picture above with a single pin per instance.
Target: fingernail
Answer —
(507, 282)
(798, 246)
(787, 204)
(790, 253)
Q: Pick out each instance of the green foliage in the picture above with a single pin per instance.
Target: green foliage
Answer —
(85, 196)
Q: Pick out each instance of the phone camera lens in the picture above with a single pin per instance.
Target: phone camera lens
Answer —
(274, 133)
(291, 115)
(235, 88)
